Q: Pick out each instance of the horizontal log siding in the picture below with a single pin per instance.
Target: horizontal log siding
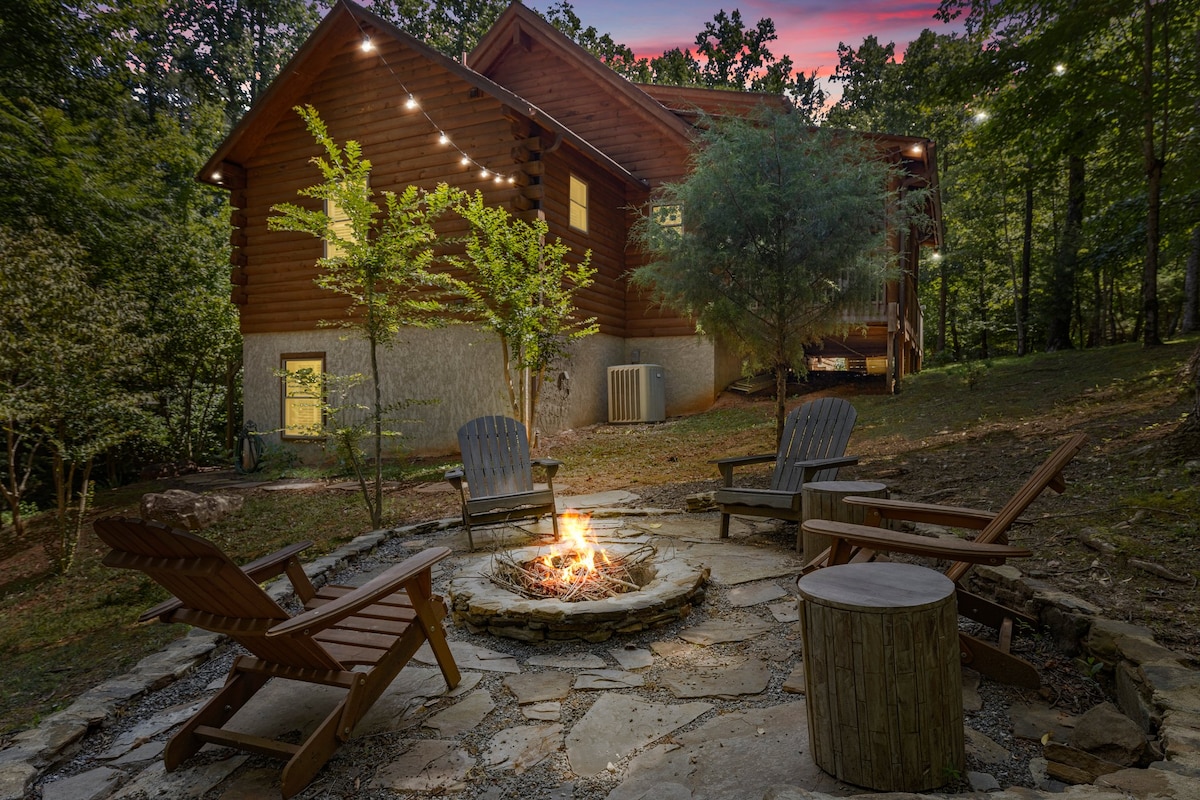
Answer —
(625, 132)
(605, 237)
(358, 98)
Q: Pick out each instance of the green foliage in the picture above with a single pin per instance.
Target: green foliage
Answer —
(521, 287)
(452, 27)
(66, 356)
(381, 263)
(782, 235)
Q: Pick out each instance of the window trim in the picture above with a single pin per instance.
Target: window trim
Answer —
(284, 360)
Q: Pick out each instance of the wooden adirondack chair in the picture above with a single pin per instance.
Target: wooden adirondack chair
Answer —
(861, 542)
(812, 449)
(498, 473)
(376, 627)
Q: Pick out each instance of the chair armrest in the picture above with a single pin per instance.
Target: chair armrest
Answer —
(259, 570)
(726, 465)
(372, 591)
(817, 464)
(455, 478)
(931, 513)
(953, 549)
(551, 466)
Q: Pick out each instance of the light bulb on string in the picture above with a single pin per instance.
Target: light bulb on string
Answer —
(411, 103)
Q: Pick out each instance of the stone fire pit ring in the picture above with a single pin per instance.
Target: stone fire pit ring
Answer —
(481, 606)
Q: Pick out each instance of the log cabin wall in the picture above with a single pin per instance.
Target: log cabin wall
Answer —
(611, 114)
(358, 98)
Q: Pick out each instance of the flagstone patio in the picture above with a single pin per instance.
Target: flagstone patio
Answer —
(710, 706)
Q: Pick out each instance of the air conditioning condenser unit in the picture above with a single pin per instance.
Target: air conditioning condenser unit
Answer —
(637, 393)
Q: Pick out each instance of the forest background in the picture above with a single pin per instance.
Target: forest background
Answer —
(1068, 140)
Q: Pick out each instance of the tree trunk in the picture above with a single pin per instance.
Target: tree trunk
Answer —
(943, 298)
(1022, 304)
(1153, 163)
(1066, 261)
(781, 371)
(1191, 286)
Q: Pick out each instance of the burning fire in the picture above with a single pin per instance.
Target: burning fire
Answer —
(573, 560)
(574, 568)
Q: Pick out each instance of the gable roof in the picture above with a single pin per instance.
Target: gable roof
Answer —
(518, 25)
(347, 19)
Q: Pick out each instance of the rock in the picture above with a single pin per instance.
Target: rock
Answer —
(183, 509)
(701, 501)
(1072, 765)
(1108, 734)
(91, 785)
(983, 782)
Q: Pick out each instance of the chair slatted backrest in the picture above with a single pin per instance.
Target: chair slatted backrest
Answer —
(1048, 475)
(818, 429)
(495, 454)
(214, 591)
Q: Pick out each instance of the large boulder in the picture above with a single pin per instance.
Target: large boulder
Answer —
(183, 509)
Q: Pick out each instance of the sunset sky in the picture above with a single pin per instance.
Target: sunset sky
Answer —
(809, 30)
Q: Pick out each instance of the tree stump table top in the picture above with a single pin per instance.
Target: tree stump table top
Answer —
(876, 587)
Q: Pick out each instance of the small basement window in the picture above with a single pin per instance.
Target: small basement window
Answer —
(579, 204)
(301, 389)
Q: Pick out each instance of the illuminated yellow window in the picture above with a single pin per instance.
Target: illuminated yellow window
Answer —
(670, 218)
(302, 395)
(339, 221)
(579, 204)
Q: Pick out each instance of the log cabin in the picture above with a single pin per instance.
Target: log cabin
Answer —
(542, 128)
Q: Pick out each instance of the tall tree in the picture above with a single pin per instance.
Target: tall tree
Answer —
(782, 233)
(381, 263)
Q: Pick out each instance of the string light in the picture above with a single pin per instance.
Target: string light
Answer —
(412, 104)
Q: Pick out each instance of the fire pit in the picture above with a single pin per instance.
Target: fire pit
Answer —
(575, 589)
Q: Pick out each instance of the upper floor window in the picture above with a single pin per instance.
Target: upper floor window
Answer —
(579, 204)
(669, 218)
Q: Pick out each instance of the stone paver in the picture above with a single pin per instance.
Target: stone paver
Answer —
(520, 748)
(632, 658)
(463, 716)
(537, 687)
(749, 677)
(430, 765)
(616, 724)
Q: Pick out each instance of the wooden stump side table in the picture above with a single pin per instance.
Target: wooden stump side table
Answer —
(823, 500)
(882, 675)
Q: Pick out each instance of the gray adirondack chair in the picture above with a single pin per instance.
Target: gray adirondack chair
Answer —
(812, 449)
(498, 475)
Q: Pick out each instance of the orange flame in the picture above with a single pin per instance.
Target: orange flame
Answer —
(573, 560)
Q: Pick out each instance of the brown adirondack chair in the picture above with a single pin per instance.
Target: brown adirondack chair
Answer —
(812, 449)
(861, 542)
(356, 639)
(498, 473)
